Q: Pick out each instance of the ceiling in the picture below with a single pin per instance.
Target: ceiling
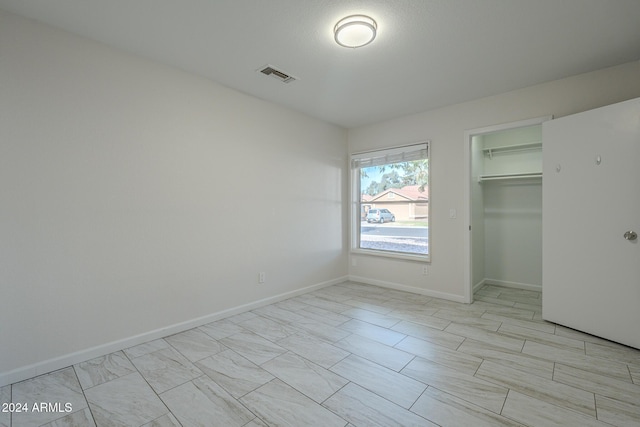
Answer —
(428, 53)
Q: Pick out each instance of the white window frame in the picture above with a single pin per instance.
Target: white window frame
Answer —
(386, 156)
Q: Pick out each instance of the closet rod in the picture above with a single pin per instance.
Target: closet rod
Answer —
(482, 178)
(532, 146)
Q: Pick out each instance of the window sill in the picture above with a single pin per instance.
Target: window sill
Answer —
(393, 255)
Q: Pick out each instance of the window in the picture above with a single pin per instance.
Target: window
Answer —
(390, 192)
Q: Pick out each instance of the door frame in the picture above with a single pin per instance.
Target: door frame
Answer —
(468, 136)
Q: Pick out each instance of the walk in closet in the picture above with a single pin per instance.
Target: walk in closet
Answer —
(506, 208)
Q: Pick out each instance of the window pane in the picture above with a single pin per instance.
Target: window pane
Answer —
(394, 207)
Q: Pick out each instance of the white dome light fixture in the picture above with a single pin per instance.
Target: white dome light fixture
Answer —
(355, 31)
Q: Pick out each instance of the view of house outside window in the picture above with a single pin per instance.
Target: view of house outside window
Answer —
(394, 205)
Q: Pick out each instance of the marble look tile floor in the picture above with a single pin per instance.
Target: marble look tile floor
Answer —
(352, 355)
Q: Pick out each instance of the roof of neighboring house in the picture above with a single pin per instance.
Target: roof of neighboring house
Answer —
(409, 192)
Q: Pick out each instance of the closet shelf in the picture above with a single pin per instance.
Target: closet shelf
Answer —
(512, 148)
(507, 176)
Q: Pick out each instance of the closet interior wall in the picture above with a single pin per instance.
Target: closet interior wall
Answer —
(506, 215)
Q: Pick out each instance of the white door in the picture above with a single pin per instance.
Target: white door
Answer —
(591, 209)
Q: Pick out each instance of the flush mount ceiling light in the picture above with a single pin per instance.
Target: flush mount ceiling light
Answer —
(355, 31)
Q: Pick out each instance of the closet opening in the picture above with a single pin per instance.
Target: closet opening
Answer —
(504, 192)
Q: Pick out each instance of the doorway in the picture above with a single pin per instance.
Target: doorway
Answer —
(504, 216)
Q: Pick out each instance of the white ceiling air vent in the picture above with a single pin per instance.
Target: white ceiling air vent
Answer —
(268, 70)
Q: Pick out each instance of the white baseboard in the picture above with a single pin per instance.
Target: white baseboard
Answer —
(516, 285)
(414, 290)
(478, 285)
(50, 365)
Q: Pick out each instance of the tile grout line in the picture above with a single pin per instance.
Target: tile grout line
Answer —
(145, 379)
(84, 394)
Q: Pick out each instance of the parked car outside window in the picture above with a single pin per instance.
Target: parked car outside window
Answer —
(380, 215)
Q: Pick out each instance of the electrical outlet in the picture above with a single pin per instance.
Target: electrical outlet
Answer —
(425, 270)
(262, 277)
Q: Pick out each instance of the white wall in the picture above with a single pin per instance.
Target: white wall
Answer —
(445, 127)
(136, 196)
(513, 232)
